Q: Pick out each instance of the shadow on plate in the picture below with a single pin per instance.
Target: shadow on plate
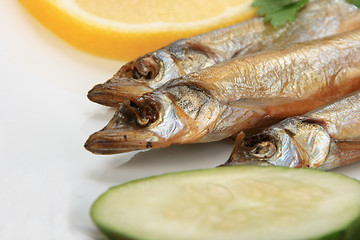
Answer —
(172, 159)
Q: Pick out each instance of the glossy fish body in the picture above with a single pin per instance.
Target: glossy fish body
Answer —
(239, 94)
(325, 138)
(318, 19)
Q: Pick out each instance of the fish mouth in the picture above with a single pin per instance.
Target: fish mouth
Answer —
(124, 134)
(117, 90)
(131, 81)
(242, 158)
(239, 162)
(114, 141)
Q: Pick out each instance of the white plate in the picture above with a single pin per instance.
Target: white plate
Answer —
(48, 180)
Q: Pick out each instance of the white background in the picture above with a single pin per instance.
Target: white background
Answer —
(48, 181)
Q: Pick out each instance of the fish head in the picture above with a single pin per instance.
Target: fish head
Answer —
(294, 142)
(134, 79)
(144, 123)
(268, 148)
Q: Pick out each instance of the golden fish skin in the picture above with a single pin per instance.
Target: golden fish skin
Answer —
(319, 18)
(239, 94)
(325, 138)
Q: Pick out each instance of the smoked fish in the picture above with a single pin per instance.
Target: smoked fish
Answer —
(325, 138)
(239, 94)
(319, 18)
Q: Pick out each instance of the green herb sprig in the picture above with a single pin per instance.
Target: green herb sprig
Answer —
(279, 12)
(355, 2)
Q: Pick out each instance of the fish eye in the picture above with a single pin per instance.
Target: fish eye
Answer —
(144, 68)
(264, 149)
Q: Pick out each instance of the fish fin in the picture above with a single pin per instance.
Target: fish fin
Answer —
(351, 24)
(248, 115)
(235, 156)
(282, 107)
(350, 151)
(344, 153)
(178, 65)
(207, 50)
(240, 138)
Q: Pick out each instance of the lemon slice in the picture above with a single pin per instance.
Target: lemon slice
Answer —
(125, 29)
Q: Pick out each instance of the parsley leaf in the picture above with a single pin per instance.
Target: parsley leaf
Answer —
(279, 12)
(355, 2)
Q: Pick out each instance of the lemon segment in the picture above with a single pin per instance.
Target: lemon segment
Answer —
(126, 29)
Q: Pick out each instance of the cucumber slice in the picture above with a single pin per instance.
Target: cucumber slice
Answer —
(237, 202)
